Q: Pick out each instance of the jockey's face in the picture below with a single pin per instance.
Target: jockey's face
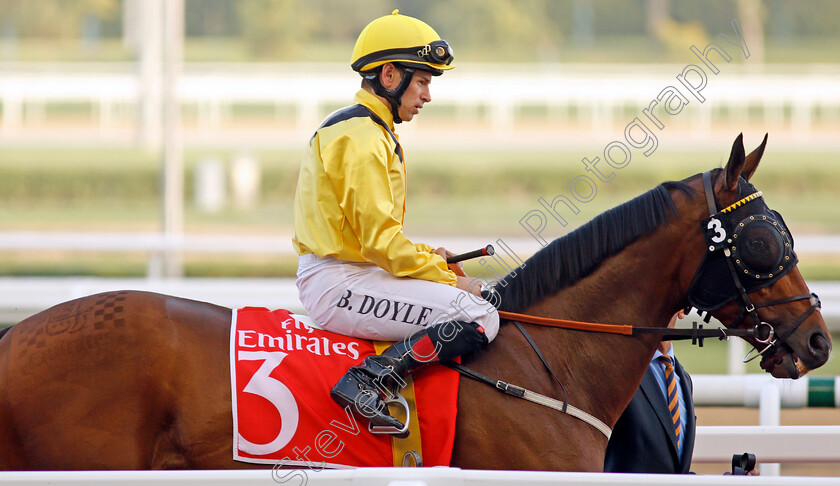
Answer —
(416, 95)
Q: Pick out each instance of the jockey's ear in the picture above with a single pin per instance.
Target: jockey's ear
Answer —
(751, 163)
(735, 165)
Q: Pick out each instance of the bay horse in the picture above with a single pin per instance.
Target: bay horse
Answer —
(134, 380)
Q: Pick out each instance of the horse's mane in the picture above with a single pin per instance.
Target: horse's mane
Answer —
(566, 260)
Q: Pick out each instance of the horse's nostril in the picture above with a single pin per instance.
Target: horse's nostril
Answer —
(819, 345)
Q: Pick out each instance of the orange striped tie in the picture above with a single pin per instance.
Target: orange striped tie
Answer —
(672, 396)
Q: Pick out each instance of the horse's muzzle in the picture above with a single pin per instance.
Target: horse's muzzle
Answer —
(819, 347)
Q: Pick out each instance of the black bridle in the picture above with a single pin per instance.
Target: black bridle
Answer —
(721, 239)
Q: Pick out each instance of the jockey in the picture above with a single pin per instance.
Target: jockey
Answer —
(358, 274)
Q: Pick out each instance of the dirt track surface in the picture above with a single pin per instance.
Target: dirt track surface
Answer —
(749, 416)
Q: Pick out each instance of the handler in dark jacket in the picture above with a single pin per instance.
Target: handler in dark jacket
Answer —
(651, 436)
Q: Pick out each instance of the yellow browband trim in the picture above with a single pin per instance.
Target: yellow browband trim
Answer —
(740, 203)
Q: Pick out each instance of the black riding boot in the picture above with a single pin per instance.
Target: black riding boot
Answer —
(363, 386)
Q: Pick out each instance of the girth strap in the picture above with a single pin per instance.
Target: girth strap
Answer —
(519, 392)
(544, 362)
(534, 397)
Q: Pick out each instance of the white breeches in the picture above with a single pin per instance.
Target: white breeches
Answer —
(363, 300)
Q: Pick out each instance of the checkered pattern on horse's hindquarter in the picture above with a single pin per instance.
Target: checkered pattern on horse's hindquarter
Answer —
(108, 308)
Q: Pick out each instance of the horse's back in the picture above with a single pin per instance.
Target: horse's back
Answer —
(115, 371)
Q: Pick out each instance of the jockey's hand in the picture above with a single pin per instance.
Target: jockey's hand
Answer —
(470, 284)
(457, 268)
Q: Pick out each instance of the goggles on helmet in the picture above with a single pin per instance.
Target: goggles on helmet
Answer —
(428, 57)
(437, 52)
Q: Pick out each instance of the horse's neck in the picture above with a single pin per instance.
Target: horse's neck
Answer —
(601, 371)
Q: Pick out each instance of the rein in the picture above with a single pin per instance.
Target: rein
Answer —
(697, 333)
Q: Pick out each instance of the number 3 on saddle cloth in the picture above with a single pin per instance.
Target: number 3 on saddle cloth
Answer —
(282, 369)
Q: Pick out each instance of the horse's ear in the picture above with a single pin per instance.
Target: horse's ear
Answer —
(753, 159)
(735, 165)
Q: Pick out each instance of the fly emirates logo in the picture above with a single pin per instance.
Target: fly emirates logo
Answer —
(290, 341)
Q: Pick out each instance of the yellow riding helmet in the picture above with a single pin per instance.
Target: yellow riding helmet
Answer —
(401, 39)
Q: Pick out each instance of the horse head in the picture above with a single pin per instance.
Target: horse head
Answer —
(747, 277)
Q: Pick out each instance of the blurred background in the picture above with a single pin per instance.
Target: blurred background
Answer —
(155, 144)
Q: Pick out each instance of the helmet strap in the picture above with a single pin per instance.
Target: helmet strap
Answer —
(394, 96)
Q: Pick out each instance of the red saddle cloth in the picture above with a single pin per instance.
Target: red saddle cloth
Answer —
(281, 373)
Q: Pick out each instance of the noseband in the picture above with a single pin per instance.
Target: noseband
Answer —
(722, 241)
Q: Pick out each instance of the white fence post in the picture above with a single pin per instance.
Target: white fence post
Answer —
(769, 412)
(735, 356)
(210, 185)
